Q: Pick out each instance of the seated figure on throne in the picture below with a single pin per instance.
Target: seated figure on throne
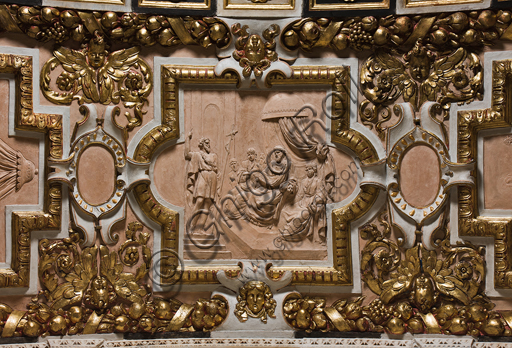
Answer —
(308, 219)
(261, 194)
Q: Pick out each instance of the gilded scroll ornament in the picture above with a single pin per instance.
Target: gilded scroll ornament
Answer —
(420, 291)
(93, 75)
(455, 273)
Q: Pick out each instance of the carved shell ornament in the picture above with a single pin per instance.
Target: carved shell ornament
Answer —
(15, 170)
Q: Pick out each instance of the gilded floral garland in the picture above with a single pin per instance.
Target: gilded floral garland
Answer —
(420, 291)
(80, 296)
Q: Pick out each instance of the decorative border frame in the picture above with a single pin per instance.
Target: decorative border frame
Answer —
(180, 5)
(25, 222)
(469, 123)
(314, 6)
(431, 3)
(290, 5)
(107, 2)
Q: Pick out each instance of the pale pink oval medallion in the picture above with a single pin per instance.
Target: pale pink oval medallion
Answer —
(420, 175)
(96, 175)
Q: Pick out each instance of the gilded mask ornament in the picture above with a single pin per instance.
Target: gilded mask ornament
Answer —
(100, 294)
(251, 52)
(93, 75)
(255, 300)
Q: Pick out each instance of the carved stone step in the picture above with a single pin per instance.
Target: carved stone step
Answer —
(207, 254)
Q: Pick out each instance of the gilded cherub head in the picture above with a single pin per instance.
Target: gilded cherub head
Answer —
(255, 49)
(256, 301)
(419, 60)
(100, 293)
(96, 52)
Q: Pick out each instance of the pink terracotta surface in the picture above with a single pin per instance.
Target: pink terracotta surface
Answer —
(420, 176)
(96, 175)
(497, 175)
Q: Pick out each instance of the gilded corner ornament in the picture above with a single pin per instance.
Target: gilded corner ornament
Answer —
(23, 223)
(418, 76)
(468, 124)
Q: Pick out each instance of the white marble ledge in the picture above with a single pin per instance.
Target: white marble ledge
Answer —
(408, 341)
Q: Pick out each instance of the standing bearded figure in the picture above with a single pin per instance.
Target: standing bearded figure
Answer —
(201, 179)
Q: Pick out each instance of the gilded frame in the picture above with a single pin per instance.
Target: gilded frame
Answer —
(427, 3)
(289, 5)
(181, 5)
(23, 223)
(314, 6)
(469, 123)
(340, 273)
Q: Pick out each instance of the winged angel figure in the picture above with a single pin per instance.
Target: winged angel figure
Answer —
(101, 78)
(72, 278)
(421, 274)
(421, 76)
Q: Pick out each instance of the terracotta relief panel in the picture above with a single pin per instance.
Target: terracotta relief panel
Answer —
(198, 179)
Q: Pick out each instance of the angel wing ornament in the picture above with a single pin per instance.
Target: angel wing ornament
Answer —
(384, 79)
(93, 75)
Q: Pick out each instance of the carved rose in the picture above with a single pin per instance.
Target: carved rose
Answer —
(460, 79)
(131, 256)
(464, 271)
(65, 81)
(369, 232)
(133, 81)
(384, 82)
(64, 263)
(383, 261)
